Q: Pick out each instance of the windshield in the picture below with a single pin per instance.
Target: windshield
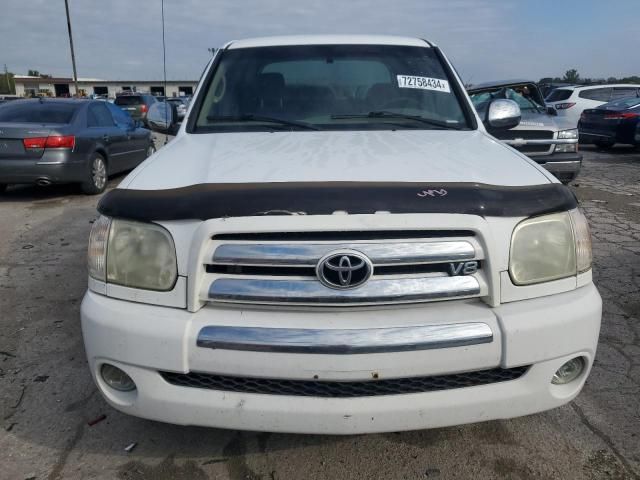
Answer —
(37, 112)
(520, 94)
(128, 100)
(333, 87)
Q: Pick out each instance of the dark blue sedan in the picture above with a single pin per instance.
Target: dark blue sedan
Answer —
(46, 141)
(611, 123)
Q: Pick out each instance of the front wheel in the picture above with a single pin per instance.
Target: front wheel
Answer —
(97, 176)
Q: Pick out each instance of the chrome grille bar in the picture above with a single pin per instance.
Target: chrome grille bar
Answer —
(305, 254)
(344, 341)
(312, 292)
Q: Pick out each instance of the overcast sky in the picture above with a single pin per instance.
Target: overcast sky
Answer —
(485, 39)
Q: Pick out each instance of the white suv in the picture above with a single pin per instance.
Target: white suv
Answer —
(571, 101)
(333, 243)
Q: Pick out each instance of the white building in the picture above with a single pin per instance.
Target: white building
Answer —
(29, 86)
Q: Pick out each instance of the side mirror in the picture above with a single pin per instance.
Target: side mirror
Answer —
(552, 111)
(503, 114)
(162, 117)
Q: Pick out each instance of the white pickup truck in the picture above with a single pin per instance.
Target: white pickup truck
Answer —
(334, 244)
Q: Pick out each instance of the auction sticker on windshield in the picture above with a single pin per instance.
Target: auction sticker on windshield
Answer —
(425, 83)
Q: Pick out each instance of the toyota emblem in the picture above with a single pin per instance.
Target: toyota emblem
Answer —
(344, 269)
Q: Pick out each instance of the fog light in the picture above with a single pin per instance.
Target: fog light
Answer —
(116, 378)
(569, 371)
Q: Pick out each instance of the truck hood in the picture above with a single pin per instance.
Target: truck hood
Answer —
(430, 156)
(532, 120)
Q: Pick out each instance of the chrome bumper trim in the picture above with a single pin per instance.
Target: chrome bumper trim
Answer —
(283, 255)
(570, 166)
(312, 292)
(344, 341)
(547, 141)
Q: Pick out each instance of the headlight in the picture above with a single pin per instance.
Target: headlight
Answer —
(568, 134)
(550, 247)
(566, 148)
(137, 255)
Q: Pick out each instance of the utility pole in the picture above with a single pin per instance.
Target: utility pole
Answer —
(6, 76)
(73, 56)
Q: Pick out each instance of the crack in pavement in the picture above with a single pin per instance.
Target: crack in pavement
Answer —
(56, 471)
(606, 439)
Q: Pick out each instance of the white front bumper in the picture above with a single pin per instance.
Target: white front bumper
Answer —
(142, 340)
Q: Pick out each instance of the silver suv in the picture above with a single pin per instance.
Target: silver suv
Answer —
(541, 135)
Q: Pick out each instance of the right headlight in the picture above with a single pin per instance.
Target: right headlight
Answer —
(550, 247)
(132, 254)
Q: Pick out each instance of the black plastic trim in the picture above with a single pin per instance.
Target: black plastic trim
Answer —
(220, 200)
(343, 389)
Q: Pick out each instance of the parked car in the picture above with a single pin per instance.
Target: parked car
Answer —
(611, 123)
(570, 102)
(8, 98)
(181, 103)
(333, 243)
(136, 104)
(550, 141)
(68, 141)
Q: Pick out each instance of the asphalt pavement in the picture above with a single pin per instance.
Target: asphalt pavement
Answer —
(55, 425)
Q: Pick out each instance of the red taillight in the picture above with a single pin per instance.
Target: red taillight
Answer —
(36, 142)
(563, 106)
(621, 116)
(144, 108)
(54, 141)
(66, 141)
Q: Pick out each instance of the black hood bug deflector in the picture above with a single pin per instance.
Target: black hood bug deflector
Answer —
(220, 200)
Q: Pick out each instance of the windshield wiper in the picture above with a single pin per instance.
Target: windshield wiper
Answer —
(404, 116)
(250, 117)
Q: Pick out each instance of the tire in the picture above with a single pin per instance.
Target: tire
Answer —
(96, 176)
(3, 187)
(604, 144)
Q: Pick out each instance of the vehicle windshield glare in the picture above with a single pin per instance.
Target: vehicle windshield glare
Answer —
(329, 87)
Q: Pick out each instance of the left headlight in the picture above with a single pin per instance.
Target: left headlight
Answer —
(568, 134)
(571, 134)
(550, 247)
(135, 254)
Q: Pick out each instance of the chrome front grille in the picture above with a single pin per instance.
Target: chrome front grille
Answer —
(246, 269)
(304, 254)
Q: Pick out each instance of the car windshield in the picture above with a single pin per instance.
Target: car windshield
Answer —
(37, 112)
(332, 87)
(129, 100)
(520, 94)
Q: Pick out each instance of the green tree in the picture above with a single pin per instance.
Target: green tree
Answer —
(33, 73)
(571, 76)
(7, 84)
